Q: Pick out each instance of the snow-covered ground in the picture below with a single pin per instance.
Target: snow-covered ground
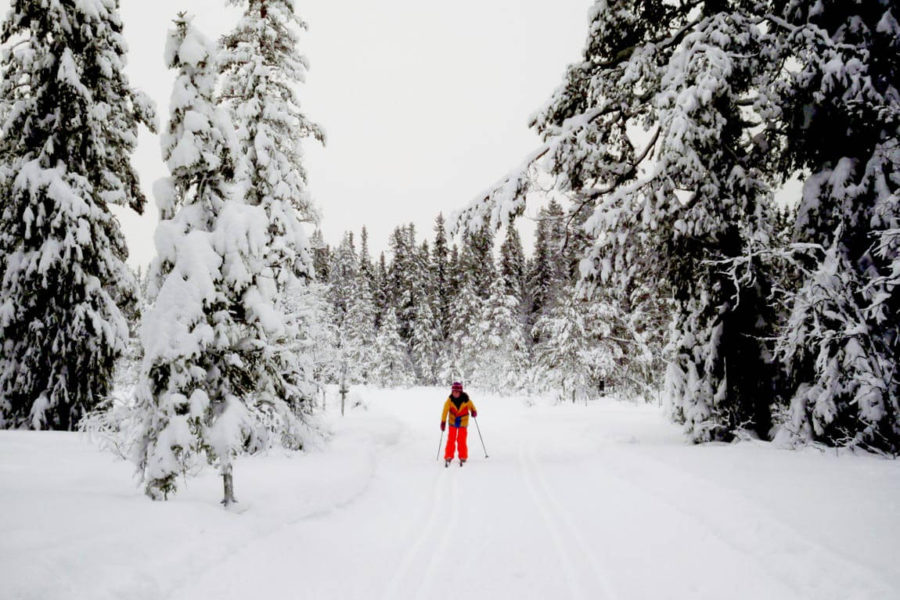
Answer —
(600, 501)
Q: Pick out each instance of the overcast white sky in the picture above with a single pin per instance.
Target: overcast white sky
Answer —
(425, 103)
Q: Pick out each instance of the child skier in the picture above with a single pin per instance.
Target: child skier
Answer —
(459, 407)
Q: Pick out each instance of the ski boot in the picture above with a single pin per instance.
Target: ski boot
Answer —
(446, 462)
(462, 461)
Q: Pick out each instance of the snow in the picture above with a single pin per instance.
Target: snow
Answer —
(888, 24)
(604, 500)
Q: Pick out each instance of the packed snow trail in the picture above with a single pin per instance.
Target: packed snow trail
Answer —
(605, 502)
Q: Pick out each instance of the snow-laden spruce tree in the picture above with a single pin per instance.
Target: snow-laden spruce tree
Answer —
(321, 255)
(353, 313)
(366, 270)
(440, 276)
(499, 343)
(313, 341)
(542, 282)
(193, 374)
(404, 285)
(574, 354)
(70, 121)
(380, 290)
(460, 357)
(654, 130)
(261, 69)
(476, 261)
(394, 367)
(513, 267)
(840, 109)
(214, 384)
(425, 344)
(342, 279)
(359, 333)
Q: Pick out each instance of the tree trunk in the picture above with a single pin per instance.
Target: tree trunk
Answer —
(228, 482)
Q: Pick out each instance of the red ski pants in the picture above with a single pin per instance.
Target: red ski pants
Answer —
(456, 439)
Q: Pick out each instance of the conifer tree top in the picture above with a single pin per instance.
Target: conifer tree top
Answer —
(71, 60)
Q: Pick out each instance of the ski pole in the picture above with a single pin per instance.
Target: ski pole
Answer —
(440, 443)
(478, 427)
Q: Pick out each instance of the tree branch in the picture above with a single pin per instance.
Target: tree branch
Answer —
(661, 42)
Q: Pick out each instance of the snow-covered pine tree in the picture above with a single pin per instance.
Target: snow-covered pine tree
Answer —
(221, 372)
(720, 378)
(473, 272)
(358, 331)
(454, 266)
(477, 261)
(261, 70)
(842, 126)
(684, 73)
(380, 292)
(359, 335)
(343, 281)
(498, 342)
(359, 323)
(197, 372)
(558, 242)
(399, 284)
(366, 267)
(425, 344)
(393, 368)
(640, 321)
(440, 266)
(513, 266)
(309, 309)
(541, 283)
(575, 353)
(342, 277)
(321, 255)
(460, 356)
(70, 121)
(448, 355)
(407, 278)
(424, 281)
(425, 336)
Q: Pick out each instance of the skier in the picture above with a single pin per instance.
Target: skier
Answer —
(459, 407)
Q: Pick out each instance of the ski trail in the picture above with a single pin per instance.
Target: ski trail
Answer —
(843, 572)
(572, 531)
(442, 550)
(427, 531)
(547, 514)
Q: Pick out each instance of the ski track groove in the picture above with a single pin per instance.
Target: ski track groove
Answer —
(562, 529)
(876, 587)
(442, 551)
(573, 533)
(431, 519)
(566, 563)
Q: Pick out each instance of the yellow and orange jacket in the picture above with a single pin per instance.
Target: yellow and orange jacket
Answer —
(459, 417)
